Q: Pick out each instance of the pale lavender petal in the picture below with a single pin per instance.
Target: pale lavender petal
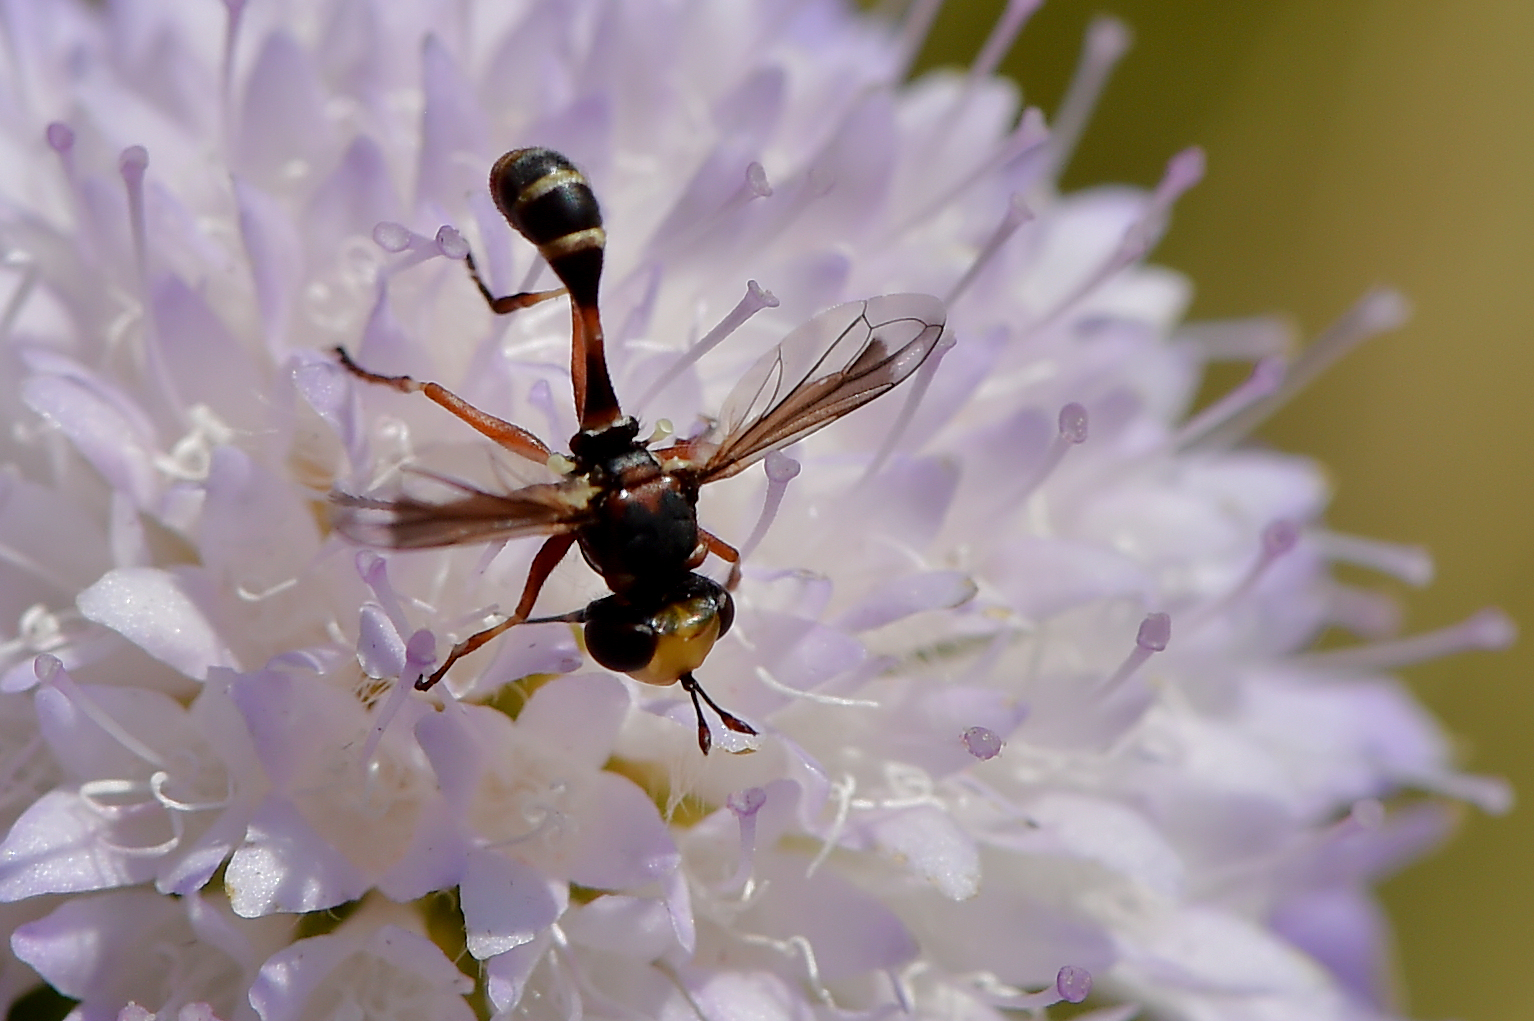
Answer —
(577, 717)
(276, 260)
(851, 932)
(285, 865)
(935, 590)
(61, 844)
(505, 903)
(932, 846)
(507, 975)
(283, 115)
(622, 842)
(164, 612)
(637, 927)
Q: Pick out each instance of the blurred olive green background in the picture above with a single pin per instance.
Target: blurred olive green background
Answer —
(1355, 142)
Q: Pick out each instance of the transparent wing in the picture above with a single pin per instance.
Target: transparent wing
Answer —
(407, 522)
(835, 363)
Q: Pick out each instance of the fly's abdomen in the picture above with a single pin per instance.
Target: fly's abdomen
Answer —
(551, 204)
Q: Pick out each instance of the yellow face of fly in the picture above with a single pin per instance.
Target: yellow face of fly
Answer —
(686, 632)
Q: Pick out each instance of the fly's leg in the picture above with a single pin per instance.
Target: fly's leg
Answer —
(724, 551)
(511, 437)
(705, 738)
(508, 302)
(547, 558)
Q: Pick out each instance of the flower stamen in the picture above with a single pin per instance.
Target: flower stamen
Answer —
(756, 298)
(1489, 629)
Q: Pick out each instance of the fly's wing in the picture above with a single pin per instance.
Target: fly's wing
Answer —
(407, 522)
(835, 363)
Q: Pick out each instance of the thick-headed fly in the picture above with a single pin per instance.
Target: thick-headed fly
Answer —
(633, 510)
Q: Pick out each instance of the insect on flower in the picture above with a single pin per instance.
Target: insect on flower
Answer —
(633, 510)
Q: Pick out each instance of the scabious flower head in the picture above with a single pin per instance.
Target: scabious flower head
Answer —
(1025, 639)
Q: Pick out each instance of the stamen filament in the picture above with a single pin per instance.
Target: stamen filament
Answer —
(1411, 564)
(1490, 629)
(756, 299)
(1107, 40)
(781, 470)
(1376, 312)
(1154, 634)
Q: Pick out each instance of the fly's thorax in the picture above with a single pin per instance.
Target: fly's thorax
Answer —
(644, 529)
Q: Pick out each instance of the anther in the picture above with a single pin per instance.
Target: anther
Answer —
(61, 137)
(781, 470)
(745, 805)
(1072, 985)
(756, 299)
(1154, 634)
(1376, 312)
(1107, 40)
(1490, 629)
(1072, 431)
(982, 742)
(1278, 538)
(450, 243)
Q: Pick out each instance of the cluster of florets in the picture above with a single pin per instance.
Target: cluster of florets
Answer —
(1023, 640)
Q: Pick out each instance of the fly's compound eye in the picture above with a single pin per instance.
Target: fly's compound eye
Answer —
(617, 638)
(725, 604)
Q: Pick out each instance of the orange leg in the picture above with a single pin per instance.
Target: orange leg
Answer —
(509, 302)
(724, 551)
(512, 437)
(547, 558)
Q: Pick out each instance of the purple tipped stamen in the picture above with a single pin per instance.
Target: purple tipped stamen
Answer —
(1016, 215)
(1278, 539)
(450, 243)
(1003, 34)
(1411, 564)
(781, 470)
(745, 804)
(1376, 312)
(61, 137)
(755, 299)
(1072, 985)
(1073, 431)
(1267, 376)
(1107, 40)
(374, 570)
(982, 742)
(1154, 634)
(132, 164)
(1489, 630)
